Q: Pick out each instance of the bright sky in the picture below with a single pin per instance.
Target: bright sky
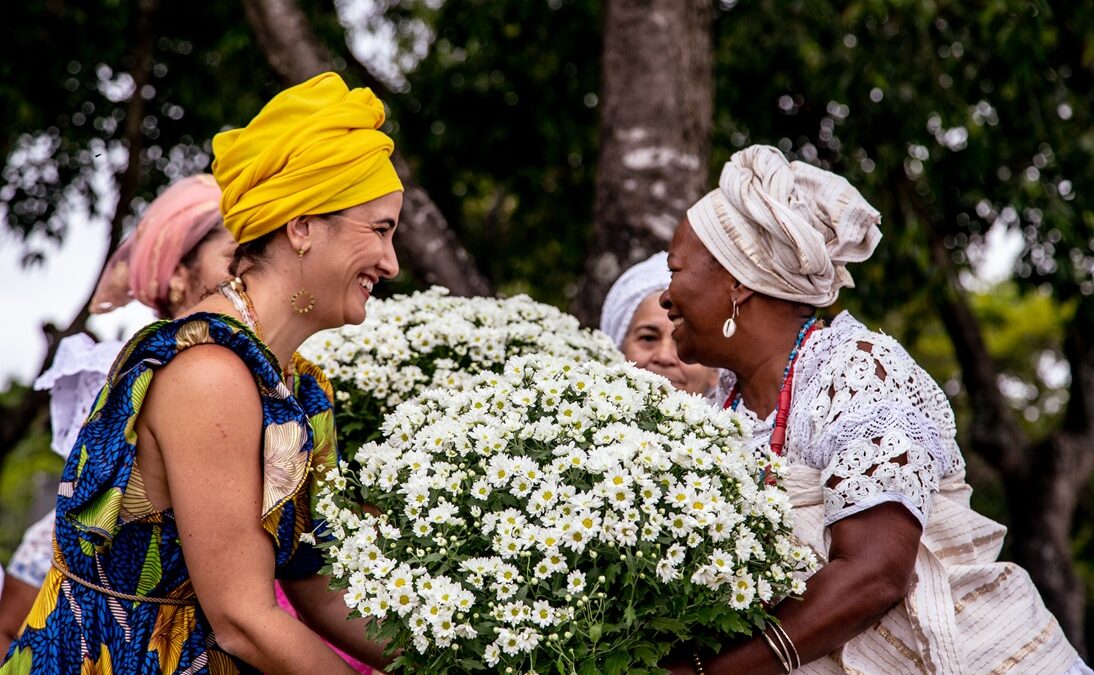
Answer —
(53, 292)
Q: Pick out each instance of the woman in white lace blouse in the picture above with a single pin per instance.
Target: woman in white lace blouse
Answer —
(909, 581)
(179, 252)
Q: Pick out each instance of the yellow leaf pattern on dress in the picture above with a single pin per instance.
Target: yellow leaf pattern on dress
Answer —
(46, 601)
(174, 624)
(152, 569)
(135, 503)
(323, 455)
(101, 515)
(99, 402)
(285, 467)
(140, 388)
(221, 664)
(306, 367)
(100, 667)
(192, 333)
(20, 662)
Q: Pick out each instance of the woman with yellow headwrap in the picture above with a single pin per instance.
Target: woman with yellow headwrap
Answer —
(190, 484)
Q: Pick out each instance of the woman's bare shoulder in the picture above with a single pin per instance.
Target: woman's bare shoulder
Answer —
(202, 381)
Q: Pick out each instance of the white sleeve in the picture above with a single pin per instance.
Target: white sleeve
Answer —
(877, 442)
(74, 379)
(32, 560)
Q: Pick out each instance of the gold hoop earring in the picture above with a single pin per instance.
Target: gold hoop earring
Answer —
(298, 305)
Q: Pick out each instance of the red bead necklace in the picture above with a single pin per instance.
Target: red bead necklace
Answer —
(782, 407)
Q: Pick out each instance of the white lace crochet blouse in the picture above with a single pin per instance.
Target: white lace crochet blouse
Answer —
(865, 415)
(74, 379)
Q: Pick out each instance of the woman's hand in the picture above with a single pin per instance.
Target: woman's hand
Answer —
(325, 612)
(871, 560)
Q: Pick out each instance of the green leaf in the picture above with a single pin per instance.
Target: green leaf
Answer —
(646, 655)
(595, 632)
(616, 663)
(668, 625)
(588, 667)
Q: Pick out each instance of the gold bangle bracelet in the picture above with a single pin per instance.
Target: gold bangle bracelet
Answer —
(783, 660)
(792, 651)
(783, 648)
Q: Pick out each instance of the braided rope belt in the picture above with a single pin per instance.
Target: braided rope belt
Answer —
(60, 566)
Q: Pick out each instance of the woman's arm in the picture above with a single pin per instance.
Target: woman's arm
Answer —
(15, 604)
(870, 566)
(205, 416)
(325, 612)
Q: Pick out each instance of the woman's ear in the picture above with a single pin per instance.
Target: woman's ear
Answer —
(740, 293)
(177, 289)
(299, 231)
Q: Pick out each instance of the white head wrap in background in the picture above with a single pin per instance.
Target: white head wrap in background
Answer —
(629, 290)
(786, 229)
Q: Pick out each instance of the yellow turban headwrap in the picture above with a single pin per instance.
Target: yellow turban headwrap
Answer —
(314, 148)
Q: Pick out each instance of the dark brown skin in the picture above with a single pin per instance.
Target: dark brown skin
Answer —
(14, 606)
(872, 554)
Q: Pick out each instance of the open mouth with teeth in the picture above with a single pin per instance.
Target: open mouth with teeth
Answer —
(365, 282)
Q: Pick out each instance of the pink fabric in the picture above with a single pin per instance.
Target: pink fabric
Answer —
(287, 606)
(173, 224)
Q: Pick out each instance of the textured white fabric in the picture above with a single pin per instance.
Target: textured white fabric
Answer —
(863, 412)
(965, 613)
(629, 290)
(74, 379)
(32, 559)
(786, 229)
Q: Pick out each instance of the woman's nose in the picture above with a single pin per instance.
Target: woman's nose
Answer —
(665, 353)
(665, 300)
(389, 265)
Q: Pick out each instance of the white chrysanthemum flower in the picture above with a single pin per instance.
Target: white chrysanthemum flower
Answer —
(540, 496)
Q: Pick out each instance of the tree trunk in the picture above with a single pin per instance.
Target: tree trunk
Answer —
(1042, 481)
(657, 112)
(1042, 506)
(425, 243)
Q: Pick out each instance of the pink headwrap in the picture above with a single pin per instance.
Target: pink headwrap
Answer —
(172, 225)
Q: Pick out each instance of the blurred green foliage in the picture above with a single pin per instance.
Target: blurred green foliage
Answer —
(28, 477)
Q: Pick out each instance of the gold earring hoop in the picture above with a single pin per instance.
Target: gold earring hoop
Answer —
(302, 301)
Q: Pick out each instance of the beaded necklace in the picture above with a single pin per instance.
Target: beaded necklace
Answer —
(782, 406)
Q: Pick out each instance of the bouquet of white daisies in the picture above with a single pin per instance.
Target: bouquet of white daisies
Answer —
(411, 343)
(558, 518)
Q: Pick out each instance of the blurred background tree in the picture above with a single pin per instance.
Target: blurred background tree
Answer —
(966, 124)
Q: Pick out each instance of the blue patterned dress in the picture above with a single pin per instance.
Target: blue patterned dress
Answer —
(109, 535)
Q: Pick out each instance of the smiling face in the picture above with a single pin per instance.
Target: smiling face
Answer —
(699, 298)
(350, 255)
(649, 344)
